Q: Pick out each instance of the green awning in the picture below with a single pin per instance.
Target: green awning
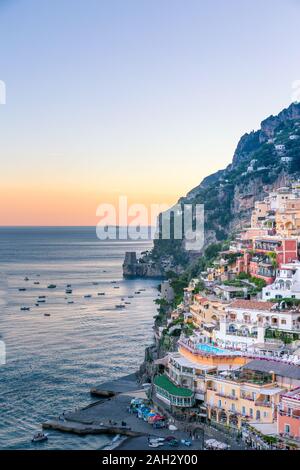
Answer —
(165, 383)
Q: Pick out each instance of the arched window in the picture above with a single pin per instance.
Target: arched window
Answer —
(232, 328)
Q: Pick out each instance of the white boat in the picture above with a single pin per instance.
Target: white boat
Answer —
(39, 437)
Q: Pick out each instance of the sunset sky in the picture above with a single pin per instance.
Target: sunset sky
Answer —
(141, 98)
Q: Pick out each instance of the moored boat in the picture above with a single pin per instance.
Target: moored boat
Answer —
(39, 437)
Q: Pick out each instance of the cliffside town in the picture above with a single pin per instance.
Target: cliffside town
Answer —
(227, 332)
(229, 353)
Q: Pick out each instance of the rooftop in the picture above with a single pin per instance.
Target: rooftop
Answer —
(182, 361)
(164, 382)
(294, 394)
(281, 369)
(252, 304)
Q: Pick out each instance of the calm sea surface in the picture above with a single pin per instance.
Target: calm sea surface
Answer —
(53, 361)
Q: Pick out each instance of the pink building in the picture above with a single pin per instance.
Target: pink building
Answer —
(289, 415)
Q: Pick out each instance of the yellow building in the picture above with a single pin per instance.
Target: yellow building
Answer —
(259, 214)
(206, 311)
(288, 218)
(243, 395)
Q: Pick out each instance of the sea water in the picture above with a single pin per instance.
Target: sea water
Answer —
(53, 361)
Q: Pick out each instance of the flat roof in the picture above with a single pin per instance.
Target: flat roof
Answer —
(279, 368)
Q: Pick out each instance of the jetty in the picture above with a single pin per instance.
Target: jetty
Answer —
(112, 388)
(107, 416)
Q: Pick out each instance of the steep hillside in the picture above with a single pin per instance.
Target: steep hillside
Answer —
(264, 159)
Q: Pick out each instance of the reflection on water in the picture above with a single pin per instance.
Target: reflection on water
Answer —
(53, 361)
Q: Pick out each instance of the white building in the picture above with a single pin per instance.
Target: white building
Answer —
(245, 322)
(286, 285)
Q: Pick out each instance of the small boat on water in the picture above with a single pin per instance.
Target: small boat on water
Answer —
(51, 286)
(39, 437)
(130, 296)
(22, 289)
(69, 285)
(41, 301)
(120, 306)
(25, 309)
(36, 282)
(95, 283)
(70, 302)
(113, 282)
(137, 292)
(116, 287)
(69, 291)
(101, 293)
(47, 314)
(88, 296)
(26, 278)
(41, 297)
(127, 303)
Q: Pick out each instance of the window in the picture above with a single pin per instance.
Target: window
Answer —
(283, 322)
(220, 403)
(233, 407)
(233, 392)
(243, 410)
(265, 414)
(287, 428)
(258, 415)
(251, 412)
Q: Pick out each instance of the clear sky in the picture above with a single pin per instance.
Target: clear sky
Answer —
(141, 98)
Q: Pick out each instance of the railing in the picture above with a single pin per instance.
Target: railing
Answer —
(247, 397)
(225, 395)
(263, 403)
(289, 415)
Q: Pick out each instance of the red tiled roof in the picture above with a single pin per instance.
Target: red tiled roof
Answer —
(201, 299)
(252, 304)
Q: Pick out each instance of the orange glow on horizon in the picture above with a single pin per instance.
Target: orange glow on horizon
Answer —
(54, 207)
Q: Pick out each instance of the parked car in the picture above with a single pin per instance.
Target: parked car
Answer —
(186, 442)
(174, 443)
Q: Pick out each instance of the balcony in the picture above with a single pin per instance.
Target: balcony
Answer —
(263, 403)
(247, 397)
(226, 395)
(289, 415)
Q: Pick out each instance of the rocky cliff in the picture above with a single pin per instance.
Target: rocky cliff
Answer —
(263, 160)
